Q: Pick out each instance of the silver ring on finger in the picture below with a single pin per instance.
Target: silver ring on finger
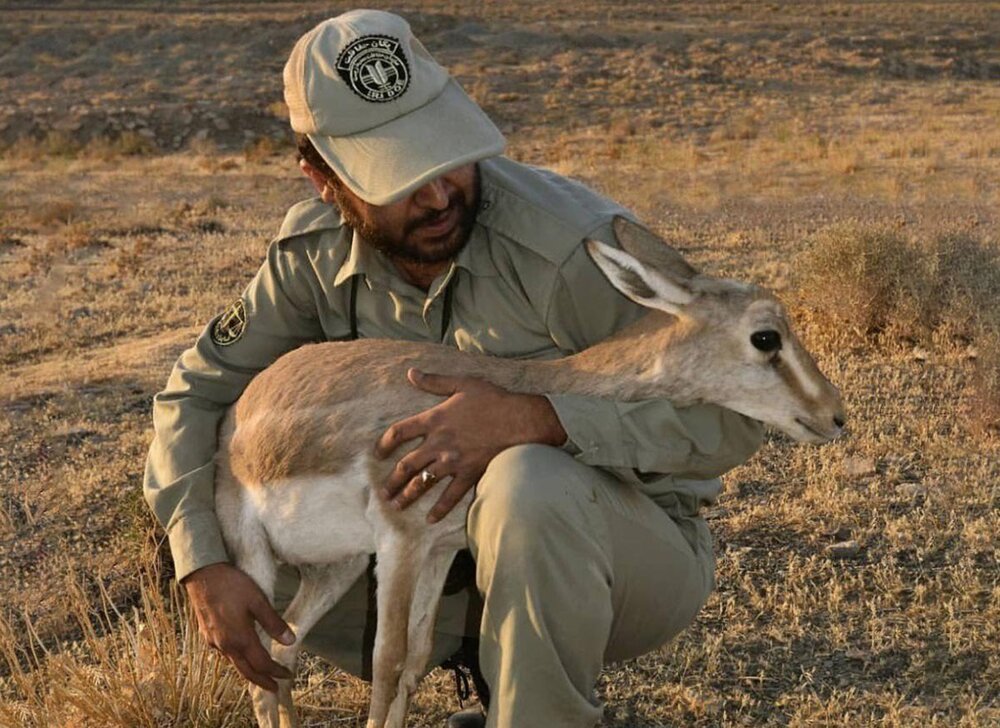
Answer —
(427, 478)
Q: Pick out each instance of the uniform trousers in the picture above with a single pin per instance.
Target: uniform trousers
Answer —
(574, 570)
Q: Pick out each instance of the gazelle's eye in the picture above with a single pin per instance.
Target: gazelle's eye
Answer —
(766, 341)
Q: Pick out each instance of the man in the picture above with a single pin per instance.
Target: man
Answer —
(585, 529)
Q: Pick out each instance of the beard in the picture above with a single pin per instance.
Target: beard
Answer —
(406, 245)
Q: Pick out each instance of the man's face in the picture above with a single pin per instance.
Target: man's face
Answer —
(431, 225)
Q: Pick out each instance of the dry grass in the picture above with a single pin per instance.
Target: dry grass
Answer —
(125, 668)
(819, 149)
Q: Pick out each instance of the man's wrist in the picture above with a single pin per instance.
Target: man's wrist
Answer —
(204, 572)
(550, 429)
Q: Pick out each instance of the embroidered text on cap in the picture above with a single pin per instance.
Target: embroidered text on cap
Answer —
(375, 68)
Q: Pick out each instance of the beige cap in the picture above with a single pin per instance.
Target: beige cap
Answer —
(381, 111)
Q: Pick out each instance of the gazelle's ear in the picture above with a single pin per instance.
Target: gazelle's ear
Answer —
(654, 252)
(644, 286)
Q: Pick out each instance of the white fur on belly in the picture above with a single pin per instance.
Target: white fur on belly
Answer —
(317, 519)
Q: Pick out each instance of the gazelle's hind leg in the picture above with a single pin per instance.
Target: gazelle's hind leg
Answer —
(399, 561)
(420, 638)
(319, 589)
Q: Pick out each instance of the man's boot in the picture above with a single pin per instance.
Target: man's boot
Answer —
(468, 718)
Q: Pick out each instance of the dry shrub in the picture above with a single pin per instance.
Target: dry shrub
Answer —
(967, 274)
(126, 144)
(859, 277)
(149, 668)
(78, 236)
(260, 149)
(884, 286)
(57, 211)
(59, 144)
(845, 160)
(983, 395)
(738, 126)
(278, 109)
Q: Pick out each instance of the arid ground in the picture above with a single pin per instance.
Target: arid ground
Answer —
(844, 154)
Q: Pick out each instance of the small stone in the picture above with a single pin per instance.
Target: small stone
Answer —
(857, 467)
(912, 490)
(220, 123)
(78, 313)
(713, 708)
(919, 354)
(843, 549)
(972, 353)
(843, 533)
(69, 123)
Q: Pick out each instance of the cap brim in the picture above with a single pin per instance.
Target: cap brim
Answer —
(386, 163)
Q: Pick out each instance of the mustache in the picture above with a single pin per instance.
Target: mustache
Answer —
(456, 200)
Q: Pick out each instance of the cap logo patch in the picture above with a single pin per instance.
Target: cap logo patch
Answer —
(375, 68)
(229, 327)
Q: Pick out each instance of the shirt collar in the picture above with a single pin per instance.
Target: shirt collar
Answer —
(363, 259)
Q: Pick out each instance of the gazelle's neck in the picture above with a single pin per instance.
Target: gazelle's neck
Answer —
(646, 359)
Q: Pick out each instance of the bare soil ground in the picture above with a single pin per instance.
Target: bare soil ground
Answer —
(146, 164)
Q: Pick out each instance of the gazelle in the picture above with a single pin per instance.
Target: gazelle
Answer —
(296, 454)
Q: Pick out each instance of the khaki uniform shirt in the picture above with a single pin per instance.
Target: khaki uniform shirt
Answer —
(523, 286)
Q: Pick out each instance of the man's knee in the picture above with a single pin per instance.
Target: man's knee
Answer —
(528, 487)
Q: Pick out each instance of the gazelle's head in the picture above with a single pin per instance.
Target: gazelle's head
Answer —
(738, 349)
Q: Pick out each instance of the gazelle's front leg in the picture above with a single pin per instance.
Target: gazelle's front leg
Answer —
(319, 589)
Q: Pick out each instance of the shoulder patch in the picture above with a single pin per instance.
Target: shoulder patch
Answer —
(230, 325)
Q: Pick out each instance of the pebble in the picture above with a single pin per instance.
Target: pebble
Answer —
(856, 467)
(912, 490)
(843, 549)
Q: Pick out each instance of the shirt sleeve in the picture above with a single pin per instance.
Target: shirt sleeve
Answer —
(276, 313)
(701, 441)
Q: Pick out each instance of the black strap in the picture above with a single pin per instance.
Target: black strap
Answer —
(464, 664)
(353, 312)
(446, 313)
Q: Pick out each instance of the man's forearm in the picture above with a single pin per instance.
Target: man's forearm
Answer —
(699, 442)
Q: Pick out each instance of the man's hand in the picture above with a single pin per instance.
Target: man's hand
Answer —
(227, 603)
(461, 436)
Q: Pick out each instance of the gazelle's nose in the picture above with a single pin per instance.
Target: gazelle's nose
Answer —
(838, 420)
